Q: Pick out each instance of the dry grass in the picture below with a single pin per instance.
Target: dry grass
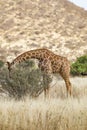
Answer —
(50, 114)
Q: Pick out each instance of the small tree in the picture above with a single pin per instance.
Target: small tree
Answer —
(25, 79)
(1, 63)
(80, 66)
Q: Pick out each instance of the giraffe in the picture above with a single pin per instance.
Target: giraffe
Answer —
(49, 63)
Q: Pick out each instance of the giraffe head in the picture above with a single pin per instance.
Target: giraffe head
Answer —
(9, 67)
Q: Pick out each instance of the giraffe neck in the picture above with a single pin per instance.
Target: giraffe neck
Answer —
(36, 54)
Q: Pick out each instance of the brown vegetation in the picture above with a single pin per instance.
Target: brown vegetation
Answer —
(55, 24)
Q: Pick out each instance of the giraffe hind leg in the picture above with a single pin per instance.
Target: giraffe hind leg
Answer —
(68, 83)
(68, 86)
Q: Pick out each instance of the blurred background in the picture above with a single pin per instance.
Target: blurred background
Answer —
(58, 25)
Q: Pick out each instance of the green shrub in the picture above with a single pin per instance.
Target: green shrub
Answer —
(25, 79)
(1, 63)
(80, 66)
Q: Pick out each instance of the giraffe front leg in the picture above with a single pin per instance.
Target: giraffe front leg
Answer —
(46, 85)
(46, 69)
(46, 92)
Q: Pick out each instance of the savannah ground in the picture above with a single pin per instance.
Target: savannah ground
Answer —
(56, 113)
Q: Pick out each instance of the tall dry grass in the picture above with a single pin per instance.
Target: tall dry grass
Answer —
(55, 113)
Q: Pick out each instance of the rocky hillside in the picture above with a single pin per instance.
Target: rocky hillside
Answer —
(54, 24)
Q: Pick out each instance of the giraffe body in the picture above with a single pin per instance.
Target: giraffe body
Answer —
(49, 63)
